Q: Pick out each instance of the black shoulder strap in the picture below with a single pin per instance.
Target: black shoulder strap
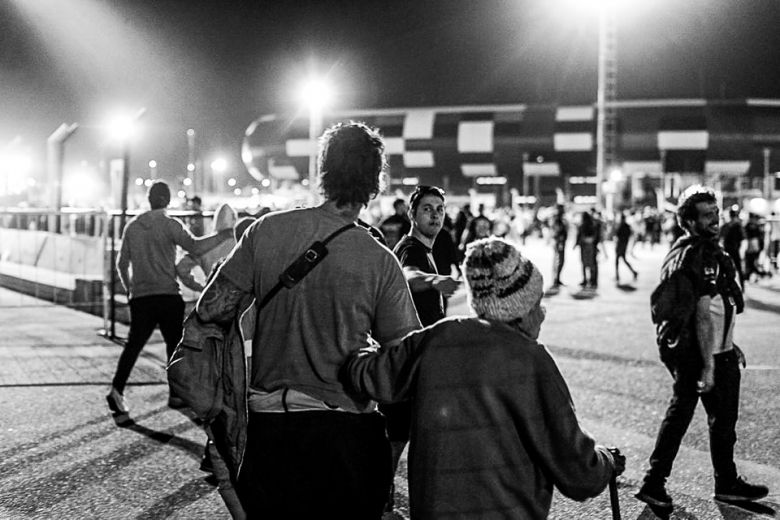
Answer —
(310, 257)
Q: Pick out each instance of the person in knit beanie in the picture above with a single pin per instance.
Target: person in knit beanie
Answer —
(493, 427)
(503, 284)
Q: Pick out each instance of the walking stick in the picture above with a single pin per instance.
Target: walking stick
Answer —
(613, 497)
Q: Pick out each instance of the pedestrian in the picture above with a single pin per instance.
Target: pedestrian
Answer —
(587, 241)
(196, 220)
(732, 237)
(428, 288)
(622, 238)
(478, 227)
(559, 230)
(754, 237)
(700, 353)
(493, 424)
(312, 448)
(193, 270)
(396, 225)
(148, 246)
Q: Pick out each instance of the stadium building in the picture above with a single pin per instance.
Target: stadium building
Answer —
(546, 153)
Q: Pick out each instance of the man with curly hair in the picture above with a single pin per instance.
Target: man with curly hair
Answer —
(313, 448)
(695, 333)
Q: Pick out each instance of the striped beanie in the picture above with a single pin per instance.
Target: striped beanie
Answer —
(503, 284)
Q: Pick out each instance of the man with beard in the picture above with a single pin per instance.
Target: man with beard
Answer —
(697, 348)
(415, 252)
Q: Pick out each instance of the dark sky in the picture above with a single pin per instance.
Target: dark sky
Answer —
(216, 65)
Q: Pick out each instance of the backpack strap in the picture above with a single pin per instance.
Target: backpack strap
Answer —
(296, 271)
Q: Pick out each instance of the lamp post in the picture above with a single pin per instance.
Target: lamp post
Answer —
(122, 127)
(605, 95)
(316, 94)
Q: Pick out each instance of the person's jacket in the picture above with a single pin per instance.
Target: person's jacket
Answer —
(228, 430)
(493, 425)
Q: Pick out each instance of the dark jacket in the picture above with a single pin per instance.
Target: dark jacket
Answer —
(493, 424)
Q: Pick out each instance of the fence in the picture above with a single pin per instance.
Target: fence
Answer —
(66, 258)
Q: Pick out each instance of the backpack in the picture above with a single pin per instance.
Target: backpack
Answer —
(672, 306)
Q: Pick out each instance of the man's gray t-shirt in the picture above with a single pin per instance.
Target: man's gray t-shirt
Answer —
(306, 333)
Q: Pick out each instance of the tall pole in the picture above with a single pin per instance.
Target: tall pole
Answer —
(315, 128)
(606, 131)
(191, 158)
(125, 183)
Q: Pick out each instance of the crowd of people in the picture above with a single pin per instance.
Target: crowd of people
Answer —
(354, 358)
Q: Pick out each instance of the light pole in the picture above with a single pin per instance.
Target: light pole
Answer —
(605, 95)
(316, 94)
(122, 127)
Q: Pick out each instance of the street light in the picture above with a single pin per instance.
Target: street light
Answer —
(122, 129)
(316, 93)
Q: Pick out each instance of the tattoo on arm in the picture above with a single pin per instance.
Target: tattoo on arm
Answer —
(219, 302)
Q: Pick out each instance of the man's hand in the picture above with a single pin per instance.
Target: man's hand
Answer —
(619, 460)
(707, 380)
(446, 285)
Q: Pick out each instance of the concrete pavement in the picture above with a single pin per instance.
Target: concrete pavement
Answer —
(62, 456)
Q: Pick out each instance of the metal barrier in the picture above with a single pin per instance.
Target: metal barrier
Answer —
(68, 258)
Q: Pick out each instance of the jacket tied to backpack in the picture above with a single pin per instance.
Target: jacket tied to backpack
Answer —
(693, 268)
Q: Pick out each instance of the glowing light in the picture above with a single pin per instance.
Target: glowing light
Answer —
(410, 181)
(219, 165)
(231, 182)
(152, 164)
(255, 191)
(305, 182)
(187, 181)
(497, 181)
(139, 181)
(14, 170)
(237, 191)
(616, 175)
(148, 182)
(265, 183)
(190, 167)
(122, 125)
(181, 194)
(316, 93)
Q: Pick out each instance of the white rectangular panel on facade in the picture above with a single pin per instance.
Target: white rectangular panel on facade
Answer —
(683, 140)
(573, 142)
(581, 113)
(299, 147)
(394, 145)
(418, 124)
(283, 172)
(478, 170)
(418, 159)
(734, 168)
(651, 168)
(475, 137)
(545, 169)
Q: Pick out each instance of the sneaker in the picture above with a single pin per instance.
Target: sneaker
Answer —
(654, 495)
(740, 490)
(116, 402)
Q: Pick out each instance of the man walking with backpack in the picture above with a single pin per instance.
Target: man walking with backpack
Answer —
(694, 309)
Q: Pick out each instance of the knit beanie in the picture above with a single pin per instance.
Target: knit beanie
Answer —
(503, 284)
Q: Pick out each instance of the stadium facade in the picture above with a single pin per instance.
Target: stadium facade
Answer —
(547, 152)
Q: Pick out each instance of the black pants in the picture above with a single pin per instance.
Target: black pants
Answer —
(147, 312)
(316, 464)
(722, 407)
(559, 256)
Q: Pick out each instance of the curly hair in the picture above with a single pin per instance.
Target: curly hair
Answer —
(686, 203)
(351, 162)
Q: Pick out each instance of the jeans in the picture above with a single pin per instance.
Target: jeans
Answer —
(147, 312)
(316, 464)
(722, 407)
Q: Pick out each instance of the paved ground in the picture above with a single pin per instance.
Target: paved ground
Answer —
(62, 456)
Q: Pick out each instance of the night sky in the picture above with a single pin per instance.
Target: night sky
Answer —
(215, 66)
